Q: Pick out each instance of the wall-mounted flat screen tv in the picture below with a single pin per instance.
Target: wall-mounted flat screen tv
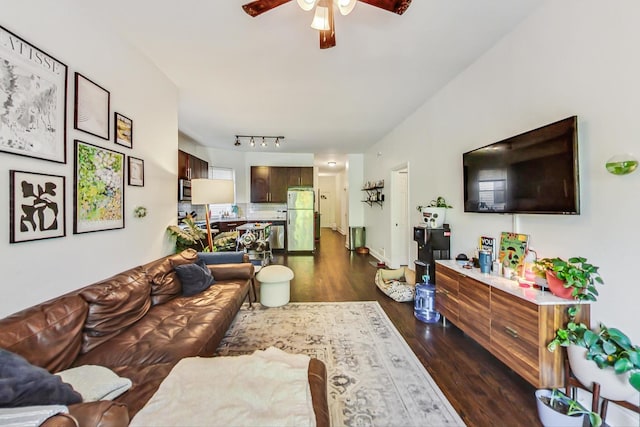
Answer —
(535, 172)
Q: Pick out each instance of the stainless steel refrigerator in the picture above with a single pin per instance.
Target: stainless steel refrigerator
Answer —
(300, 204)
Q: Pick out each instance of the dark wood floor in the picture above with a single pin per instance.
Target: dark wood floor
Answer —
(482, 389)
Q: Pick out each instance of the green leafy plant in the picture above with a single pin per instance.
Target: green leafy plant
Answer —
(577, 274)
(438, 202)
(191, 236)
(562, 403)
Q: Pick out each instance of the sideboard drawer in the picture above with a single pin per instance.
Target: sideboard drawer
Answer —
(515, 334)
(447, 294)
(474, 309)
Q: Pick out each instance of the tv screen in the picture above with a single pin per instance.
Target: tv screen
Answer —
(534, 172)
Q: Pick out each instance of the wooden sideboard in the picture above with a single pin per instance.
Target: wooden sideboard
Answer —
(514, 324)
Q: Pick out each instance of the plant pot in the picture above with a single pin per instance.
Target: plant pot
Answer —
(612, 386)
(434, 217)
(549, 417)
(556, 286)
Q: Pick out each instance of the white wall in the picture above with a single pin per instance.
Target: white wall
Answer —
(571, 57)
(36, 271)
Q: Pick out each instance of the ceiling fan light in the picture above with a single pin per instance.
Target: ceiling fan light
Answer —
(306, 5)
(346, 6)
(321, 19)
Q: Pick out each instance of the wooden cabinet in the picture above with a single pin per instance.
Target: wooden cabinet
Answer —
(191, 167)
(447, 293)
(225, 226)
(269, 184)
(474, 311)
(513, 329)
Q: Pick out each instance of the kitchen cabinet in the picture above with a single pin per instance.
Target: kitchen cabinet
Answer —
(191, 167)
(225, 226)
(513, 323)
(269, 184)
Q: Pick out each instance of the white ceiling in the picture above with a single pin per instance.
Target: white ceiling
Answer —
(267, 76)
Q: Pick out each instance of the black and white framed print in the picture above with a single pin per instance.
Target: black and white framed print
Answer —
(36, 206)
(136, 172)
(91, 113)
(33, 100)
(99, 189)
(123, 130)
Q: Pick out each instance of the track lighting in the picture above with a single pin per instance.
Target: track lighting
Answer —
(252, 140)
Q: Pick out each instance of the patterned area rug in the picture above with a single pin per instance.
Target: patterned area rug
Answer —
(374, 379)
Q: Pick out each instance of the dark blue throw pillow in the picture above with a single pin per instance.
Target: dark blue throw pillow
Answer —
(195, 278)
(23, 384)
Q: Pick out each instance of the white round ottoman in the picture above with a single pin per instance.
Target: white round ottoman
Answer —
(274, 285)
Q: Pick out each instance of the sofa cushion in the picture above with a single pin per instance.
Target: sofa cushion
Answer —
(114, 304)
(164, 281)
(48, 335)
(194, 278)
(22, 384)
(95, 382)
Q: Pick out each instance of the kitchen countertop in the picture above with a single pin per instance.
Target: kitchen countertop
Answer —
(512, 287)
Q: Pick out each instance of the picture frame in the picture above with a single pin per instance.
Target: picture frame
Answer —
(135, 171)
(92, 104)
(33, 109)
(123, 130)
(36, 206)
(98, 189)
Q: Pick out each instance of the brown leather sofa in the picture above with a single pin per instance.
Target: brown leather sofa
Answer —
(138, 324)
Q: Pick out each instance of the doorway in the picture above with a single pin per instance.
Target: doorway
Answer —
(400, 221)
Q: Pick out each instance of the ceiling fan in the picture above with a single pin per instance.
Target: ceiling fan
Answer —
(323, 18)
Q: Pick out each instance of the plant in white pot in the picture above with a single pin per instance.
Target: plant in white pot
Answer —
(435, 212)
(557, 409)
(605, 356)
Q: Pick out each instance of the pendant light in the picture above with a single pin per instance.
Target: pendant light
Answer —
(321, 18)
(346, 6)
(306, 5)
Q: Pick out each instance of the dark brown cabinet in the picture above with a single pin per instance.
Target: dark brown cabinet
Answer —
(269, 184)
(191, 167)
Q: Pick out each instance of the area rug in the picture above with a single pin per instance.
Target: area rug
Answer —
(374, 379)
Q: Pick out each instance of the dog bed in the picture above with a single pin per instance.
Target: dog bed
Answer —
(398, 284)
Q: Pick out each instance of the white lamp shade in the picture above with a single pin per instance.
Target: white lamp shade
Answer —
(346, 6)
(321, 18)
(212, 191)
(306, 5)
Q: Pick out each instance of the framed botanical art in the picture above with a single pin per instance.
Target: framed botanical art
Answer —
(99, 189)
(136, 172)
(91, 112)
(33, 100)
(123, 130)
(36, 206)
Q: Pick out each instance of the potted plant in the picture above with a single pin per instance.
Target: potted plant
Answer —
(434, 213)
(557, 409)
(191, 236)
(572, 279)
(606, 356)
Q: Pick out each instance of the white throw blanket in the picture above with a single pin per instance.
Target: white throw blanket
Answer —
(266, 388)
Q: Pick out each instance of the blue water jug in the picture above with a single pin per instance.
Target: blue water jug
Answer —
(424, 306)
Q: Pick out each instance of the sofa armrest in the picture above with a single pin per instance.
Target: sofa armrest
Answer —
(61, 420)
(221, 272)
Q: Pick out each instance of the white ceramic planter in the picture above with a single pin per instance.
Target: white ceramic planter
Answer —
(549, 417)
(434, 217)
(612, 386)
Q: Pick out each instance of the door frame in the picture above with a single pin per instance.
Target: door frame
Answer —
(403, 238)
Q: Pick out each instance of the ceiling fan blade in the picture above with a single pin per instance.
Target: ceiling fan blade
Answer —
(395, 6)
(328, 37)
(259, 7)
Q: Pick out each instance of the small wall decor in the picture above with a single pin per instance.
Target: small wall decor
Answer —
(36, 206)
(123, 129)
(136, 172)
(622, 164)
(140, 212)
(99, 189)
(33, 100)
(91, 114)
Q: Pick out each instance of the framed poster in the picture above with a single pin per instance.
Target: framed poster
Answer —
(33, 100)
(99, 189)
(36, 206)
(136, 172)
(91, 113)
(123, 130)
